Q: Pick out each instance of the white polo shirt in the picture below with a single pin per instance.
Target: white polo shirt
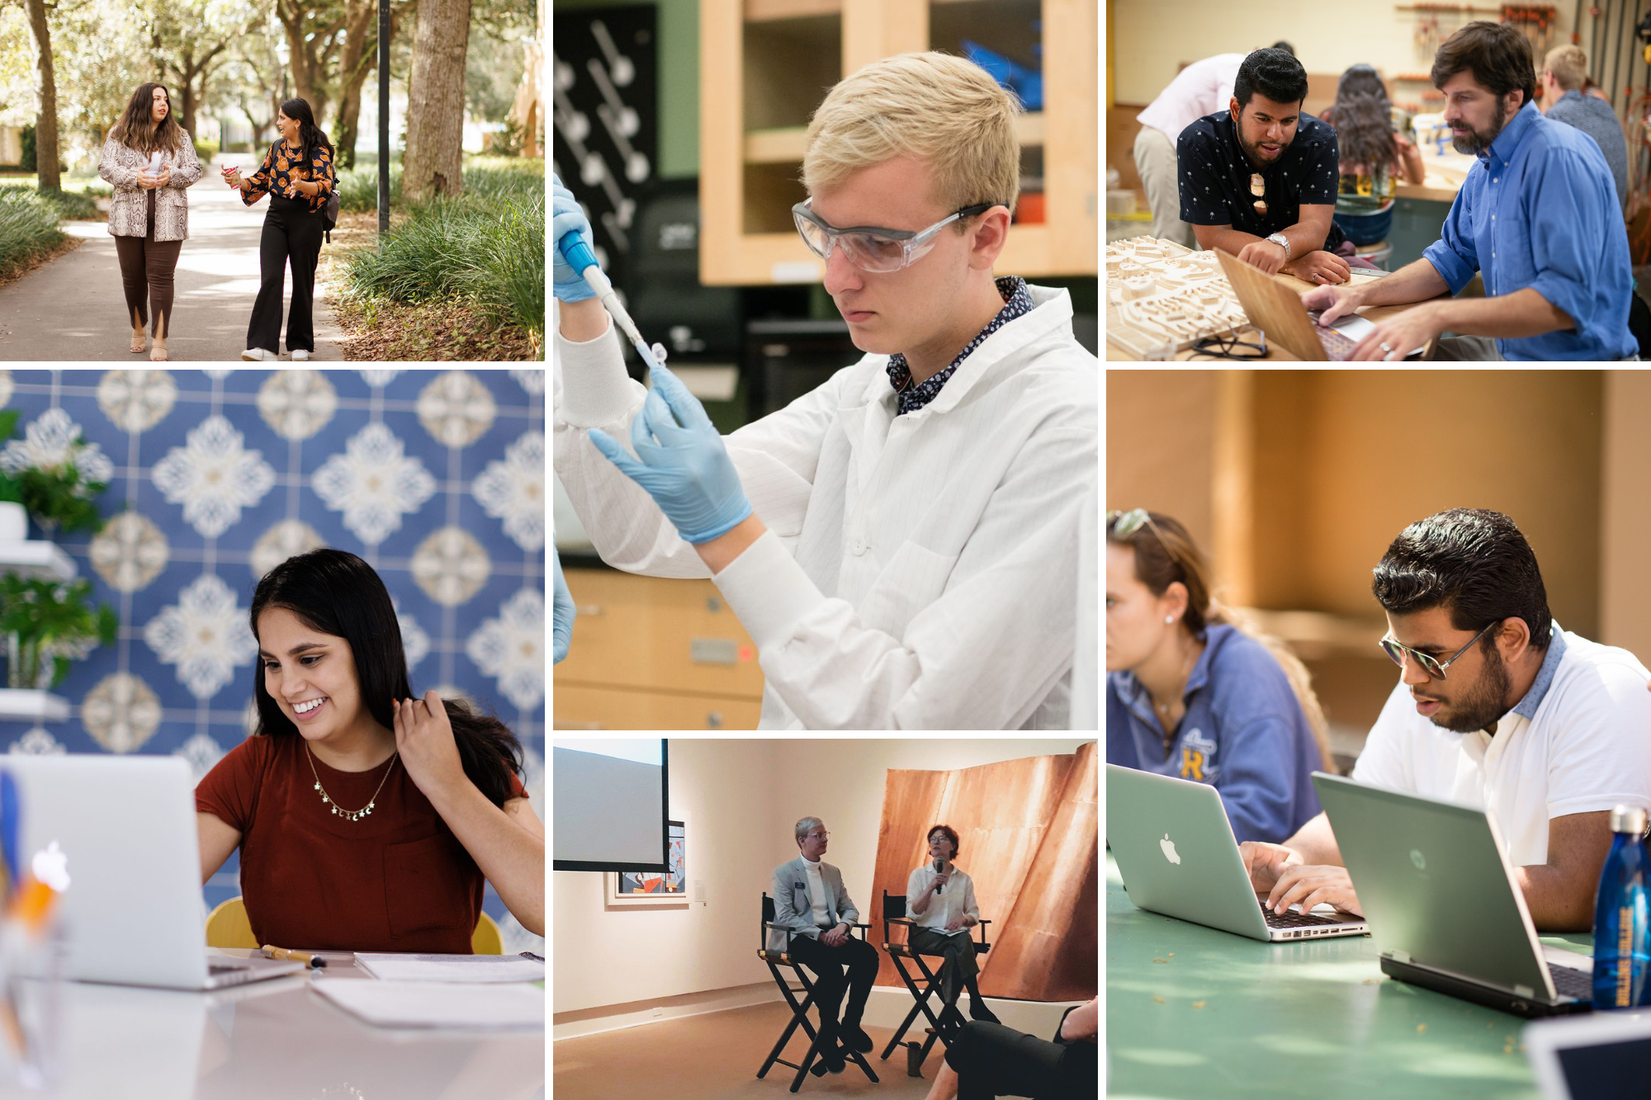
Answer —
(1200, 89)
(1578, 742)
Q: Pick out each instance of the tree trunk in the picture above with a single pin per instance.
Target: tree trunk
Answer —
(434, 162)
(357, 62)
(309, 68)
(45, 130)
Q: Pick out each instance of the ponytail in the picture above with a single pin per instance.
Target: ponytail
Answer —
(1164, 555)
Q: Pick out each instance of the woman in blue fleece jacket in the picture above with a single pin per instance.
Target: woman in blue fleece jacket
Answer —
(1191, 694)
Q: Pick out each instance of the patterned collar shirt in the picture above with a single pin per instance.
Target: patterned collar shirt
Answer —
(1016, 303)
(1539, 209)
(1217, 186)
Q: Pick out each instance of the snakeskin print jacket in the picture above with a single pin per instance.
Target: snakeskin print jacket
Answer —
(128, 213)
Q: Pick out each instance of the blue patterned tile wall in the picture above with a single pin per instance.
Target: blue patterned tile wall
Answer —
(436, 478)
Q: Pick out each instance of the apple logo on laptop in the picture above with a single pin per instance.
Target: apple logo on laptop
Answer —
(1168, 846)
(1418, 859)
(51, 866)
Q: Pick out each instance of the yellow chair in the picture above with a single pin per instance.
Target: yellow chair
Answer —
(227, 926)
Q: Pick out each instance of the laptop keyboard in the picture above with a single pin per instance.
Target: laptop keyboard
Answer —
(1572, 983)
(1293, 919)
(1337, 346)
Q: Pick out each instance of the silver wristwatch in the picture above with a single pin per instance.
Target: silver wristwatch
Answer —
(1279, 238)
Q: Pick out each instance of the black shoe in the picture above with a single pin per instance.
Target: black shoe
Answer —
(855, 1038)
(829, 1056)
(979, 1011)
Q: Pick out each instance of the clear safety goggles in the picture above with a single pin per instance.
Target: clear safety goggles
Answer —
(872, 248)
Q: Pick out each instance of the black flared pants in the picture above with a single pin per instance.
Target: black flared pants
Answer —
(292, 233)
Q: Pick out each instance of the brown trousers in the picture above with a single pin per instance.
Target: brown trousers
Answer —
(146, 267)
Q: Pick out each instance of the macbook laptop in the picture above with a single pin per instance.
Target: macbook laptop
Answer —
(1277, 310)
(1444, 908)
(1177, 855)
(120, 832)
(1598, 1057)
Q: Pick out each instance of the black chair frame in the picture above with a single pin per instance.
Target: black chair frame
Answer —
(896, 904)
(799, 1009)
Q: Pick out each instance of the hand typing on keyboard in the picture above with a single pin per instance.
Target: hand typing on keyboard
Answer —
(1308, 885)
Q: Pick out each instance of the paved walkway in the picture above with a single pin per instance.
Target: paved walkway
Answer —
(75, 309)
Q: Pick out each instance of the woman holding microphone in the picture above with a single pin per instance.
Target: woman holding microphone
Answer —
(940, 899)
(151, 162)
(297, 174)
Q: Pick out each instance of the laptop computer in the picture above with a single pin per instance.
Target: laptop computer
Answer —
(1177, 854)
(1598, 1057)
(1276, 310)
(1445, 911)
(122, 829)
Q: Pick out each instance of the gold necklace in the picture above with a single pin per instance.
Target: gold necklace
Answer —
(349, 815)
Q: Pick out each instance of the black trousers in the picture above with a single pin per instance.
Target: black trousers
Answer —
(146, 270)
(292, 232)
(992, 1060)
(960, 966)
(851, 968)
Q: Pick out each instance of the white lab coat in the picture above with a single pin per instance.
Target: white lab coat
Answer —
(918, 570)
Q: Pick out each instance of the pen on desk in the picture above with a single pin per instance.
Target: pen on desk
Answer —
(312, 961)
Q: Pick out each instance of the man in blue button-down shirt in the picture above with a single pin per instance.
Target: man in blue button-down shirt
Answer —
(1537, 215)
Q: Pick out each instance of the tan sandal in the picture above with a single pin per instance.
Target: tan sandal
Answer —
(138, 344)
(157, 355)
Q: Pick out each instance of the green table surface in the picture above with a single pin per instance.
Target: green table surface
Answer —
(1195, 1012)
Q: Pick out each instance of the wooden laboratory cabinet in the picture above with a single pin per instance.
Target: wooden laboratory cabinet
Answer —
(766, 64)
(655, 654)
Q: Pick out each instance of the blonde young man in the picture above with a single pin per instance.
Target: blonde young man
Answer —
(900, 542)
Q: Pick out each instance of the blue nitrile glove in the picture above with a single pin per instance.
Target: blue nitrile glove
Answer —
(562, 614)
(569, 285)
(687, 471)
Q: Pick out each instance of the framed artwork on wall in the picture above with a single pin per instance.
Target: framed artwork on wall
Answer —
(650, 887)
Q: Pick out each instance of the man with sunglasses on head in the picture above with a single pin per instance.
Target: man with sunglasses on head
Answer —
(899, 543)
(1259, 178)
(1496, 707)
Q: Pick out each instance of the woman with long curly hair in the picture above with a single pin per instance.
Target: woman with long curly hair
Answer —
(297, 175)
(1374, 154)
(151, 162)
(367, 817)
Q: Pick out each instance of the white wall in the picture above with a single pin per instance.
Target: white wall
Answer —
(1152, 38)
(739, 800)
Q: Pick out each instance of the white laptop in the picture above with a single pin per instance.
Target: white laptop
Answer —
(122, 829)
(1177, 854)
(1597, 1057)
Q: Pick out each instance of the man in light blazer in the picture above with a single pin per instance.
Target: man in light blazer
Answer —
(809, 899)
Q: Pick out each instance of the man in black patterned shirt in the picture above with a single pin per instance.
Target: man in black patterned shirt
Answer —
(1259, 180)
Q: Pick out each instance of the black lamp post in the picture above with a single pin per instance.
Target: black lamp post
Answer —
(383, 117)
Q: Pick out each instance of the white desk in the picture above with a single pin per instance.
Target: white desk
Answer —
(274, 1040)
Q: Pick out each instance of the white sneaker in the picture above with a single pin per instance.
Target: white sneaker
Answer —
(299, 355)
(258, 354)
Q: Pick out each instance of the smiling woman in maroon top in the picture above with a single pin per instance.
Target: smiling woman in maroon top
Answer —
(367, 819)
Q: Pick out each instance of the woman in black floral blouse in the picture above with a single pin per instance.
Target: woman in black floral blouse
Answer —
(297, 174)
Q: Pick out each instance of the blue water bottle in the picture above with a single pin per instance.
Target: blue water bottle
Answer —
(1622, 934)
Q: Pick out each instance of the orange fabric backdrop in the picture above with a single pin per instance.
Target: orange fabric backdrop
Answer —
(1029, 834)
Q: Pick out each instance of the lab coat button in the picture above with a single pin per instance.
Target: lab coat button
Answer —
(859, 546)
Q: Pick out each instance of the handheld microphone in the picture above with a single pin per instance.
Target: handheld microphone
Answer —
(939, 865)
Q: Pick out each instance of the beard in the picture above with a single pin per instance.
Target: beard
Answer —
(1481, 704)
(1473, 142)
(1254, 153)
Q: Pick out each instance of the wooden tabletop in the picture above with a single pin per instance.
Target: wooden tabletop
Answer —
(1276, 351)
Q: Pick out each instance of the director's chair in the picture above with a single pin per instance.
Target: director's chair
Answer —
(799, 1010)
(894, 912)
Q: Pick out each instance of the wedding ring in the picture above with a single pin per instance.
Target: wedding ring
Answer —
(1385, 347)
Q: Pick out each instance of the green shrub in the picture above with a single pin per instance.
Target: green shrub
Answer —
(358, 188)
(28, 227)
(486, 245)
(206, 150)
(78, 206)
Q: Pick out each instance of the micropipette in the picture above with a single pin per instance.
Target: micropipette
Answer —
(581, 259)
